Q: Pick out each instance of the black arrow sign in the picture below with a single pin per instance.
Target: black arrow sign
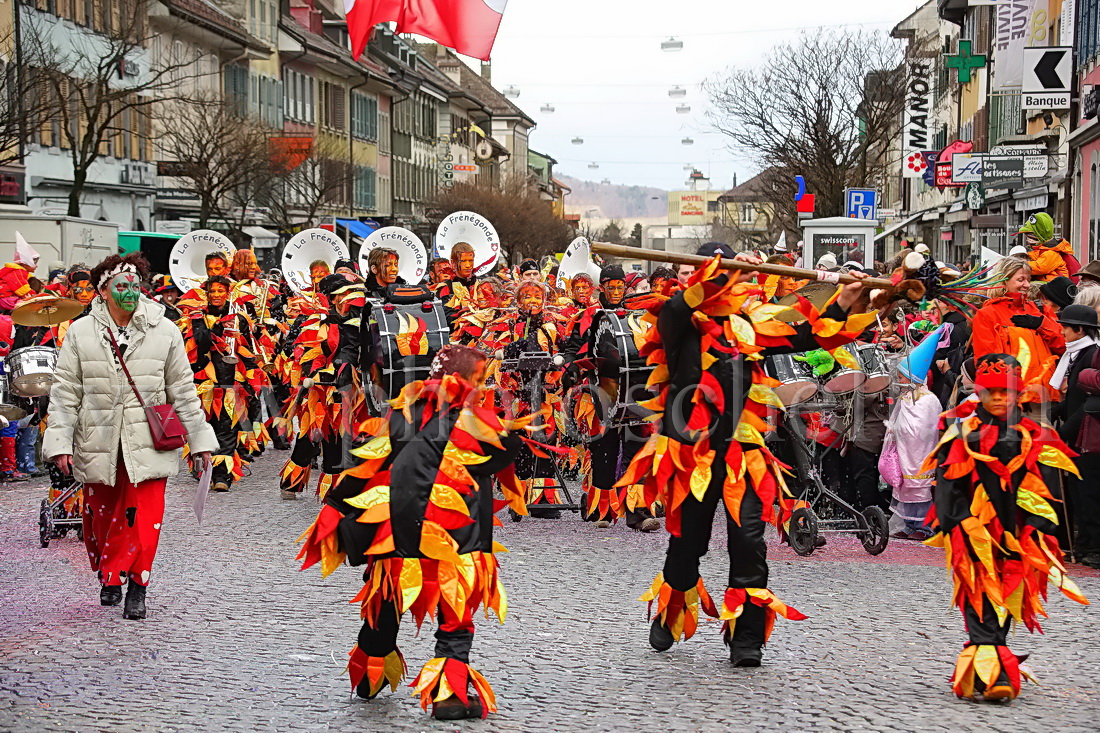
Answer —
(1046, 71)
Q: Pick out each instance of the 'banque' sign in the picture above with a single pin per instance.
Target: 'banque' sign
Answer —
(917, 119)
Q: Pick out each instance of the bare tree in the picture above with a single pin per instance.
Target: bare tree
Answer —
(526, 224)
(309, 176)
(25, 99)
(215, 154)
(104, 86)
(824, 106)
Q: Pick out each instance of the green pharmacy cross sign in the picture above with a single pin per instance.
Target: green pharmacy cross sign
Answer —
(965, 61)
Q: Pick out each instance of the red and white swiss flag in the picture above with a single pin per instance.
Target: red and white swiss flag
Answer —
(467, 26)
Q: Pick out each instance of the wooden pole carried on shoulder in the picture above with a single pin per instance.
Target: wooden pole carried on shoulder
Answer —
(727, 263)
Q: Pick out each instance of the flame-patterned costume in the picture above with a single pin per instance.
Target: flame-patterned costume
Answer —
(996, 490)
(258, 299)
(713, 395)
(609, 447)
(225, 388)
(418, 513)
(329, 399)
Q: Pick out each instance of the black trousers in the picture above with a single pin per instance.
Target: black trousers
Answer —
(614, 449)
(1084, 504)
(331, 450)
(861, 487)
(226, 432)
(748, 553)
(381, 639)
(987, 629)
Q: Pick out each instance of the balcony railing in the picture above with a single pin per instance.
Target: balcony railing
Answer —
(1006, 116)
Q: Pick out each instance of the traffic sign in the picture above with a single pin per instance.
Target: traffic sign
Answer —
(860, 203)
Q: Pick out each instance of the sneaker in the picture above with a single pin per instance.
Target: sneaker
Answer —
(649, 524)
(288, 495)
(13, 477)
(660, 638)
(601, 524)
(221, 486)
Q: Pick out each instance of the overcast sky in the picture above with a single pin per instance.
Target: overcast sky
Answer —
(600, 64)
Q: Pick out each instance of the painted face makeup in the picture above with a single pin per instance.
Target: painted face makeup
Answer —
(317, 274)
(83, 292)
(216, 266)
(389, 268)
(582, 291)
(218, 295)
(465, 265)
(530, 301)
(125, 291)
(615, 290)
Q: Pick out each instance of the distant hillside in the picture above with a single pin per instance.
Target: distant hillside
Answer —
(615, 201)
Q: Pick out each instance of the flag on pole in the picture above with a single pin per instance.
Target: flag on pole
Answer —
(467, 26)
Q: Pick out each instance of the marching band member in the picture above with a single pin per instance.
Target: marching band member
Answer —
(217, 264)
(167, 294)
(426, 539)
(456, 292)
(440, 272)
(470, 328)
(995, 496)
(712, 395)
(329, 396)
(255, 296)
(384, 264)
(605, 503)
(220, 347)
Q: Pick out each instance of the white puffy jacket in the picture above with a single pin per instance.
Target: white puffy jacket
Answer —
(94, 414)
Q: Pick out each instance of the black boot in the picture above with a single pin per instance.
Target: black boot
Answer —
(110, 595)
(660, 638)
(135, 602)
(745, 657)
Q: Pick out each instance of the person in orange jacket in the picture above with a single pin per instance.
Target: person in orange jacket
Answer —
(1006, 321)
(1049, 258)
(14, 276)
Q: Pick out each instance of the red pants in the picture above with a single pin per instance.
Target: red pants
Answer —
(122, 527)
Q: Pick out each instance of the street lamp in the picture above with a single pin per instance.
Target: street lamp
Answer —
(578, 140)
(683, 109)
(547, 108)
(672, 45)
(687, 141)
(593, 165)
(677, 92)
(511, 91)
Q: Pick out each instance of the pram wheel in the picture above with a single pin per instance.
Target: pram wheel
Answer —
(803, 532)
(877, 535)
(45, 523)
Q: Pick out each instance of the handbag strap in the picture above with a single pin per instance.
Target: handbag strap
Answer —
(118, 353)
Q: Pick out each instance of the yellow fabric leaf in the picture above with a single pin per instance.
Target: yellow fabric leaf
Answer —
(845, 358)
(987, 663)
(700, 479)
(462, 456)
(859, 322)
(826, 327)
(765, 396)
(1051, 456)
(1032, 503)
(746, 433)
(370, 498)
(744, 331)
(446, 497)
(412, 580)
(373, 449)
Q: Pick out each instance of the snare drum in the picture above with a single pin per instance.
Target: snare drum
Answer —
(617, 336)
(873, 360)
(843, 379)
(30, 370)
(797, 383)
(7, 409)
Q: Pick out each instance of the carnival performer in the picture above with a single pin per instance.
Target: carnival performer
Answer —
(15, 276)
(98, 430)
(384, 264)
(712, 394)
(167, 294)
(615, 446)
(329, 396)
(1003, 323)
(470, 328)
(217, 264)
(456, 294)
(418, 513)
(221, 350)
(255, 297)
(995, 496)
(1048, 258)
(440, 272)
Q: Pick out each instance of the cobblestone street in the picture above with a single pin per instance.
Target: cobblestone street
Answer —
(238, 639)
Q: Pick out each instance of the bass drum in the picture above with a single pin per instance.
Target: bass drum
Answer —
(399, 345)
(7, 409)
(617, 337)
(30, 370)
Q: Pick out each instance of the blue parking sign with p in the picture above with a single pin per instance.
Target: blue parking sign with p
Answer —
(861, 203)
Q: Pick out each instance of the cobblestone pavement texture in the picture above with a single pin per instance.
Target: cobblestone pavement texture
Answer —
(238, 639)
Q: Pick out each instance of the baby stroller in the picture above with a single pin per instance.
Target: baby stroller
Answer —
(62, 510)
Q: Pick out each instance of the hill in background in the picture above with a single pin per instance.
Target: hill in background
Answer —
(614, 201)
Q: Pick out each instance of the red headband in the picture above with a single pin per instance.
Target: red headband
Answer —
(998, 375)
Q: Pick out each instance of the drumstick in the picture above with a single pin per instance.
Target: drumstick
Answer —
(637, 253)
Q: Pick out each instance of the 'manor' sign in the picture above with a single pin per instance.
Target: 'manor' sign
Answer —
(916, 120)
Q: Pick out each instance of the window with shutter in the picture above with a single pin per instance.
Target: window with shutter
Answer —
(279, 107)
(338, 108)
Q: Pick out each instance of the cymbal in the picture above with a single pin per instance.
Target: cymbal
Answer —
(46, 310)
(817, 293)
